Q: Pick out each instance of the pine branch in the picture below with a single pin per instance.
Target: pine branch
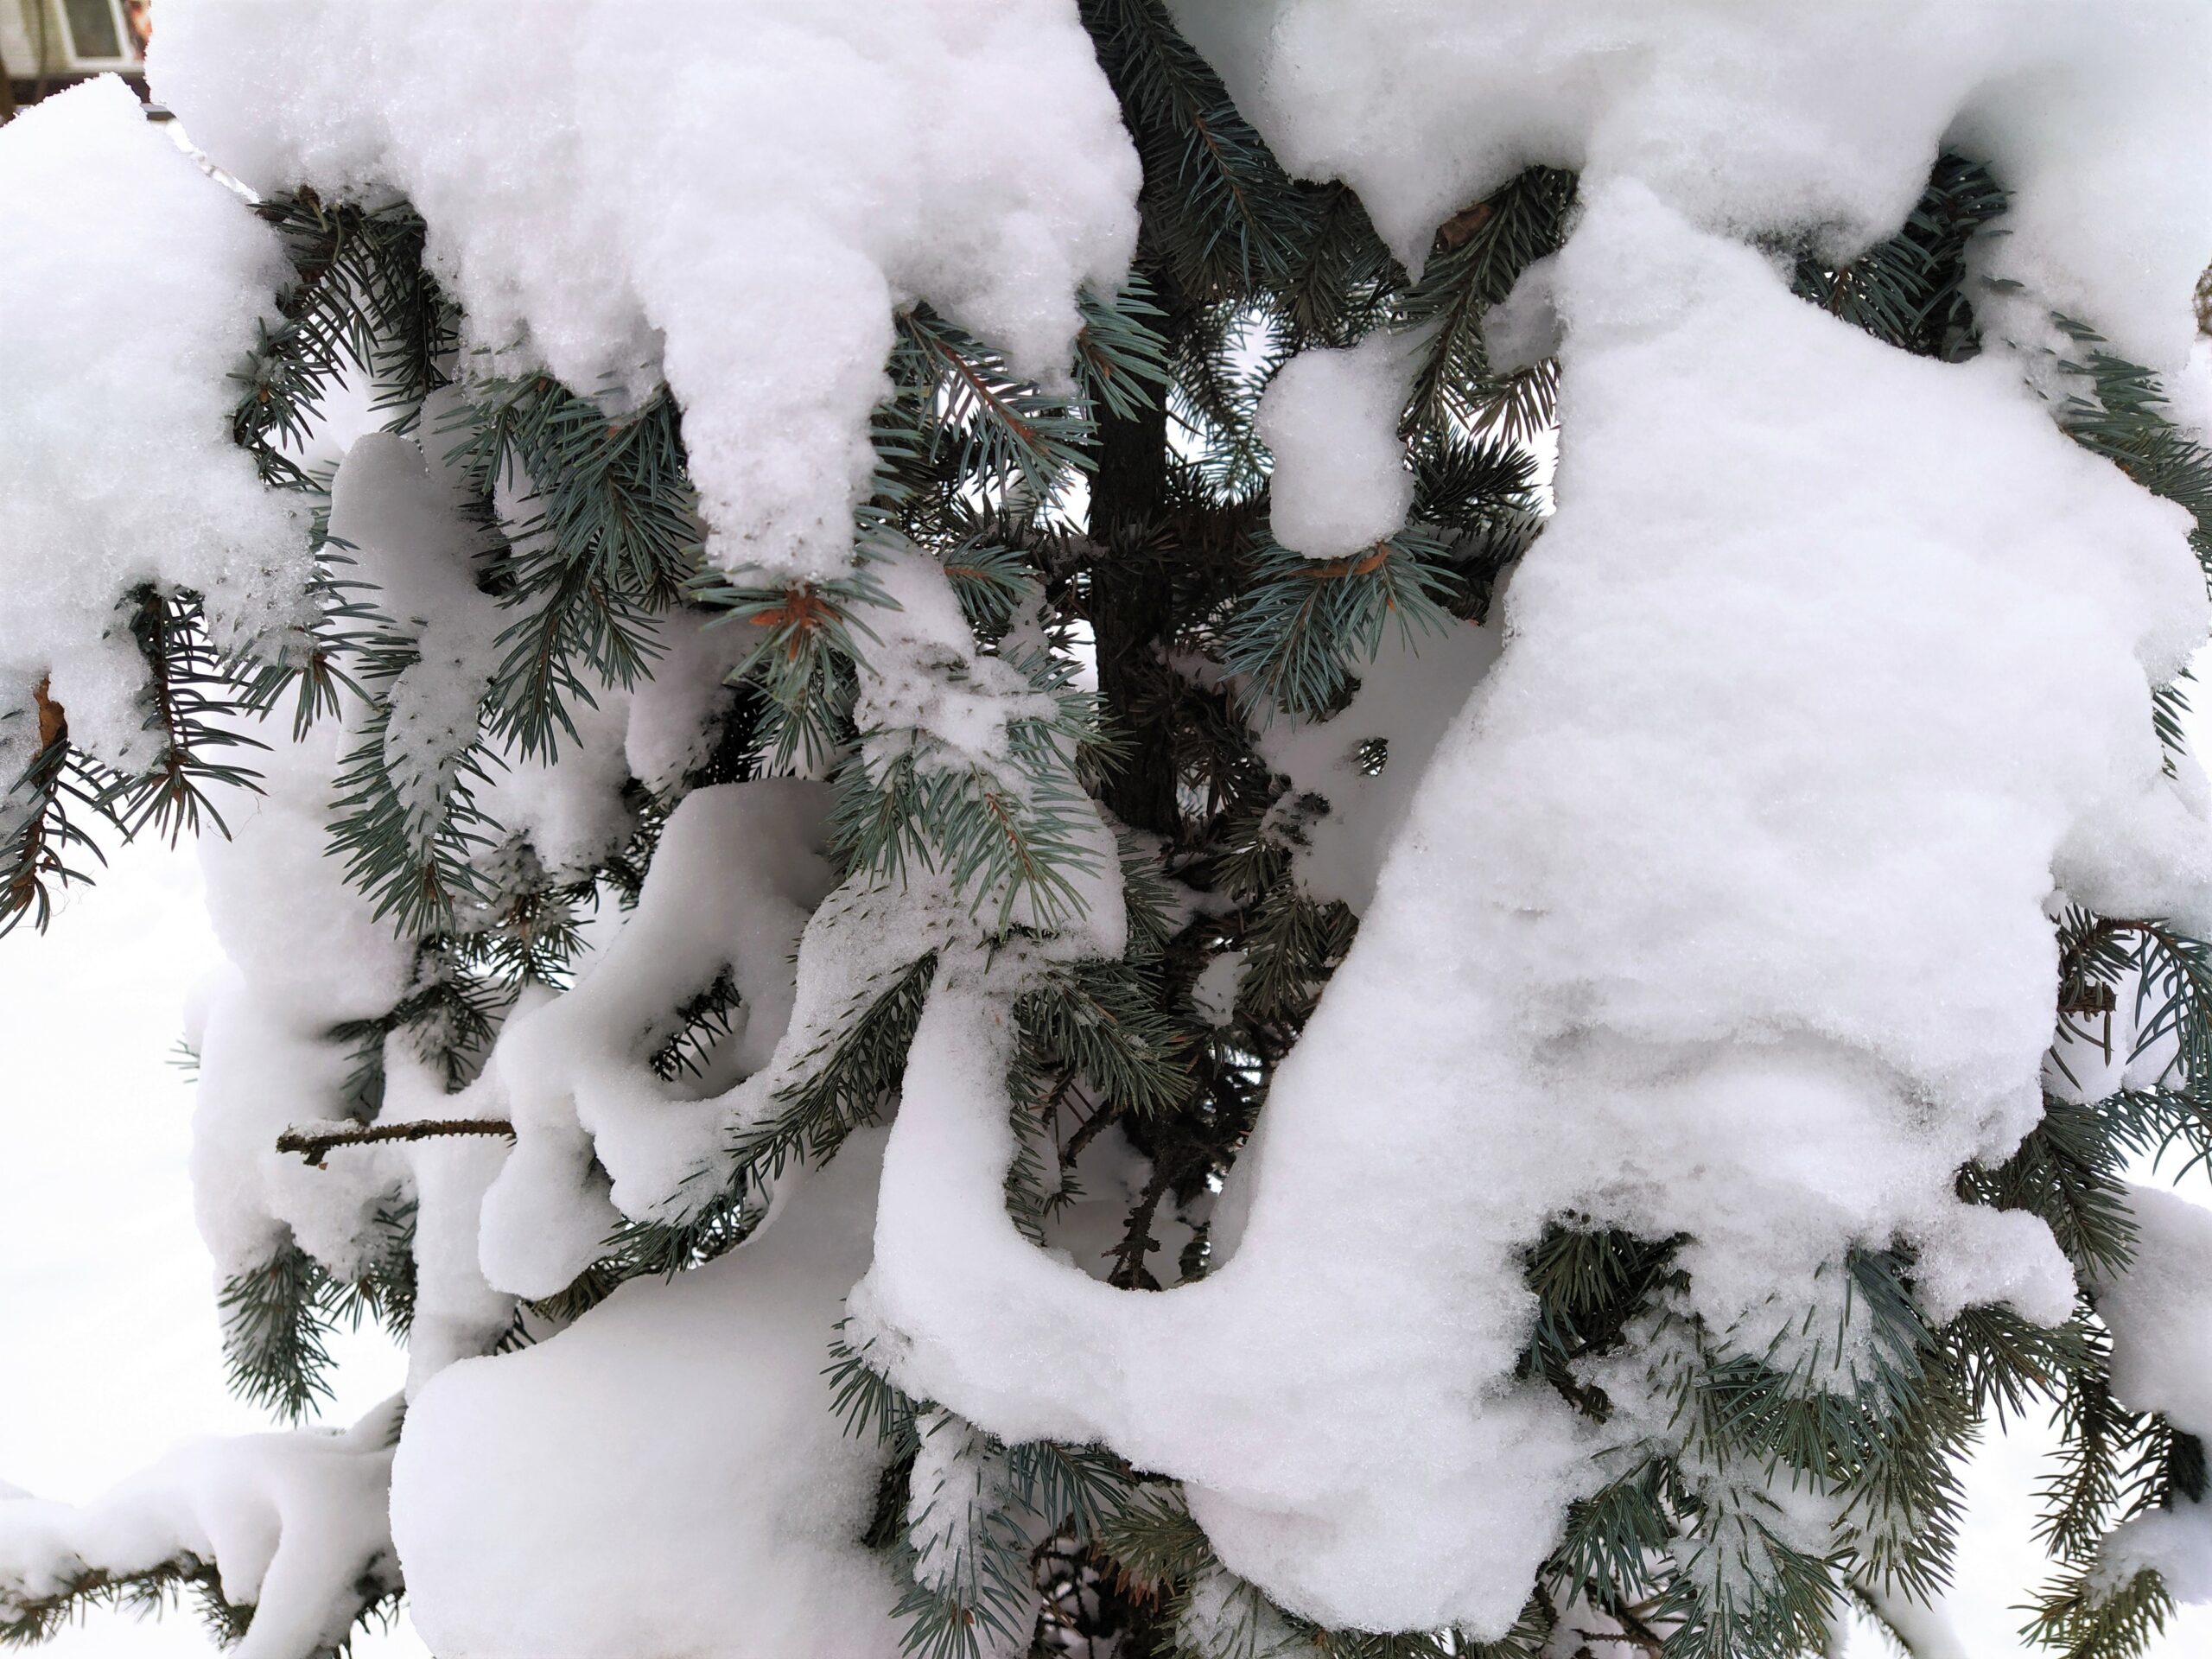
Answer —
(27, 1621)
(610, 539)
(1218, 208)
(1304, 622)
(1005, 431)
(1910, 292)
(1479, 254)
(844, 1078)
(186, 695)
(38, 837)
(1121, 358)
(361, 307)
(276, 1322)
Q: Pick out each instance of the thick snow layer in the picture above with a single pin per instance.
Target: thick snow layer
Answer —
(1831, 662)
(401, 521)
(296, 1524)
(2160, 1312)
(2177, 1543)
(666, 1477)
(1367, 760)
(1340, 481)
(732, 197)
(306, 953)
(131, 284)
(458, 1313)
(1754, 118)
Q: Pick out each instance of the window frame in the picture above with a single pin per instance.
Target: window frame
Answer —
(74, 59)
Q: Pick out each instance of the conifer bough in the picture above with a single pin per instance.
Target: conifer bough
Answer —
(955, 869)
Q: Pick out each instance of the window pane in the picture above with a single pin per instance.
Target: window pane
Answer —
(92, 28)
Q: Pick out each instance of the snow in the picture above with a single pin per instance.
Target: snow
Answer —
(2157, 1311)
(737, 872)
(295, 1523)
(131, 284)
(667, 1476)
(2177, 1543)
(305, 952)
(1214, 992)
(739, 216)
(671, 723)
(1522, 329)
(1340, 482)
(926, 694)
(403, 530)
(1407, 699)
(1831, 660)
(1753, 120)
(1734, 870)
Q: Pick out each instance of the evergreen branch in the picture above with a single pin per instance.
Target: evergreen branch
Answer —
(991, 582)
(1223, 361)
(37, 836)
(1304, 622)
(702, 1021)
(802, 664)
(1010, 828)
(448, 1015)
(661, 1249)
(1102, 1021)
(611, 537)
(2004, 1361)
(841, 1082)
(2078, 1617)
(1341, 279)
(1004, 429)
(186, 692)
(277, 1321)
(1121, 358)
(359, 299)
(408, 849)
(26, 1621)
(1221, 211)
(1910, 292)
(1479, 254)
(2118, 409)
(2069, 1172)
(866, 1401)
(278, 1316)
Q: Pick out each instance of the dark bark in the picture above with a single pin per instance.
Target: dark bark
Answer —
(1131, 611)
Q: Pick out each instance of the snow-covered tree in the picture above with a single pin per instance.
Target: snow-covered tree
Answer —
(948, 860)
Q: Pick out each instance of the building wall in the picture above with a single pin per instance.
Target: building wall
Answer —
(34, 44)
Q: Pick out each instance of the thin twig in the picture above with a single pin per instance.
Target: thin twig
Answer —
(313, 1144)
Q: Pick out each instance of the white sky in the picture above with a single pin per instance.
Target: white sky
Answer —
(106, 1297)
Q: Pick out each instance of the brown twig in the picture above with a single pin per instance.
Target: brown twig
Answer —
(314, 1144)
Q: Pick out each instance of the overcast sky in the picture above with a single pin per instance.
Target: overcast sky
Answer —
(105, 1299)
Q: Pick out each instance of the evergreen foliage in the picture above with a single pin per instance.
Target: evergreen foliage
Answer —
(1048, 511)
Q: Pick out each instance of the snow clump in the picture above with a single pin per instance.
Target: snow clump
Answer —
(130, 286)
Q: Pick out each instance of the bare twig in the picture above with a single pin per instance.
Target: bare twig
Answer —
(313, 1144)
